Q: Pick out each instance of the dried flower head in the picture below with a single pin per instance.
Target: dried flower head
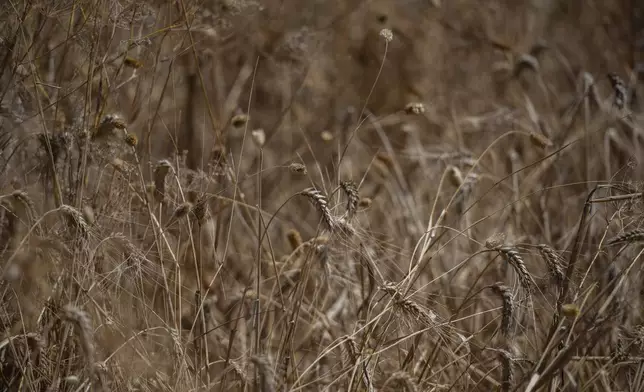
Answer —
(108, 126)
(259, 137)
(294, 239)
(365, 202)
(570, 310)
(415, 108)
(239, 120)
(326, 136)
(455, 176)
(131, 140)
(297, 168)
(88, 214)
(540, 140)
(132, 63)
(387, 35)
(495, 240)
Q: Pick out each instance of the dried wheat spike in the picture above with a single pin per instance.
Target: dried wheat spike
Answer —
(540, 140)
(622, 347)
(320, 201)
(636, 235)
(22, 198)
(507, 321)
(408, 306)
(160, 173)
(516, 261)
(555, 263)
(353, 197)
(401, 381)
(266, 374)
(507, 374)
(294, 238)
(76, 217)
(621, 92)
(83, 325)
(415, 108)
(365, 202)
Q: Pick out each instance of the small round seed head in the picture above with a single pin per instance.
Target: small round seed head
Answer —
(132, 63)
(118, 164)
(88, 214)
(455, 176)
(297, 168)
(540, 140)
(131, 140)
(114, 120)
(259, 137)
(387, 35)
(495, 240)
(182, 210)
(326, 136)
(570, 310)
(365, 202)
(239, 120)
(415, 108)
(108, 126)
(294, 238)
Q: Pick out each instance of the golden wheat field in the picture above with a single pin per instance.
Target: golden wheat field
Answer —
(321, 195)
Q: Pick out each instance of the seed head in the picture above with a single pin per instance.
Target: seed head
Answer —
(259, 137)
(415, 108)
(297, 168)
(131, 140)
(387, 35)
(239, 120)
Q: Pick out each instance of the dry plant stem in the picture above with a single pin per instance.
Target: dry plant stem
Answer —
(565, 355)
(364, 107)
(574, 255)
(258, 257)
(415, 272)
(218, 135)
